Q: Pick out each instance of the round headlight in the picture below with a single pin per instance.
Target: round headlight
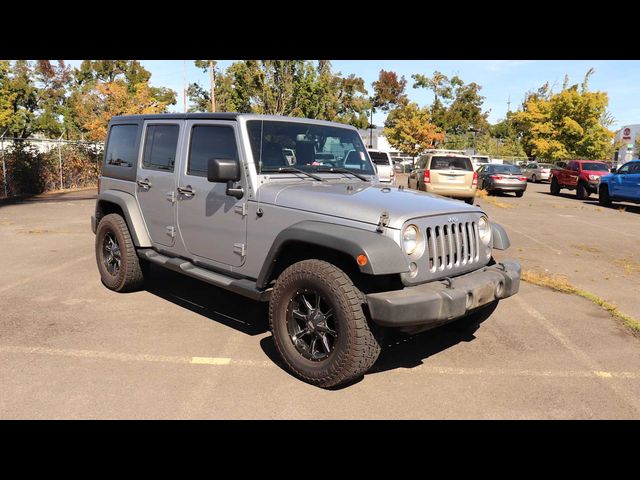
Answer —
(410, 239)
(484, 230)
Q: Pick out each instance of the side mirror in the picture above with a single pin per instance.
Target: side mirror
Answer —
(224, 170)
(220, 171)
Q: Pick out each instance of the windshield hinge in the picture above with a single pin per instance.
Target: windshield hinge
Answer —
(383, 222)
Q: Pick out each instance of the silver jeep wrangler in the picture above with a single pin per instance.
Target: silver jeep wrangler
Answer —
(340, 259)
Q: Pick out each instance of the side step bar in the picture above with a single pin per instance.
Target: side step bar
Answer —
(243, 286)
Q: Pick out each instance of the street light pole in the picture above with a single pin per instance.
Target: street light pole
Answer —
(371, 129)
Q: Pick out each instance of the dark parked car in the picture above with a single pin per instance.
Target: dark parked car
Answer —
(502, 178)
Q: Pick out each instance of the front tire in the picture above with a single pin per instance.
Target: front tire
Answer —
(581, 192)
(116, 255)
(603, 196)
(319, 327)
(555, 186)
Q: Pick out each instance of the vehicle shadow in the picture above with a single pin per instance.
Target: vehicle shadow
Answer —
(61, 197)
(626, 207)
(251, 318)
(409, 351)
(228, 308)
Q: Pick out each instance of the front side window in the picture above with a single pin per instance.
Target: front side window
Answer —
(160, 147)
(625, 168)
(121, 147)
(210, 142)
(315, 147)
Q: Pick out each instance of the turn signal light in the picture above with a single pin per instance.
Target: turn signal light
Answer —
(475, 179)
(362, 260)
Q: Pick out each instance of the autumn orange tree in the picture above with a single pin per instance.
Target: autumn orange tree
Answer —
(410, 130)
(106, 88)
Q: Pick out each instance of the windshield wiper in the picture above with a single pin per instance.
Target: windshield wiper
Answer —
(291, 170)
(341, 170)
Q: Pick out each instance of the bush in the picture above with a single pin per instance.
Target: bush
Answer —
(31, 171)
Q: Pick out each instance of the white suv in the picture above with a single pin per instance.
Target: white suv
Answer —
(384, 165)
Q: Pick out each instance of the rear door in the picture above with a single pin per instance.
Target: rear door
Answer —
(156, 183)
(212, 224)
(456, 173)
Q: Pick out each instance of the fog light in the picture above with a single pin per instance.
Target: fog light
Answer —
(469, 302)
(413, 269)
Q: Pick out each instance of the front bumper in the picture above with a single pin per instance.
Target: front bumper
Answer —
(442, 302)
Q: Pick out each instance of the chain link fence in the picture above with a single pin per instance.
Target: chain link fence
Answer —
(31, 166)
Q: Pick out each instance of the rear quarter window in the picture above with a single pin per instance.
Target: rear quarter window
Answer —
(121, 146)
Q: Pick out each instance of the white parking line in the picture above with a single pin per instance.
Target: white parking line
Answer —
(44, 273)
(554, 250)
(580, 354)
(223, 361)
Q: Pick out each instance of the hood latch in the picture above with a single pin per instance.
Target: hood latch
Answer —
(383, 222)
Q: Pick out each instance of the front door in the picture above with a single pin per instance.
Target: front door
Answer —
(213, 225)
(631, 181)
(155, 189)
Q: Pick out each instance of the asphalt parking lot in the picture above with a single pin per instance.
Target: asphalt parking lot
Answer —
(70, 348)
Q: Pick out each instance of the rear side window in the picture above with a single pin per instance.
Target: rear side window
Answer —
(160, 146)
(121, 147)
(450, 163)
(379, 158)
(207, 142)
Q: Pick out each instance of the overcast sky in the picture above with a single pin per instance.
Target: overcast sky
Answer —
(501, 80)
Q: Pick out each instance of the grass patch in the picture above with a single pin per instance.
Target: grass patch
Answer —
(559, 283)
(587, 248)
(629, 265)
(482, 194)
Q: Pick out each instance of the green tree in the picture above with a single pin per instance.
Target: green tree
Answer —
(570, 124)
(409, 129)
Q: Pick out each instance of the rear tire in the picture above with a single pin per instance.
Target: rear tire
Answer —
(555, 186)
(520, 193)
(333, 358)
(603, 196)
(118, 262)
(469, 201)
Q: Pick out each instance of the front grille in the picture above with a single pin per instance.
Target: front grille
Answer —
(452, 246)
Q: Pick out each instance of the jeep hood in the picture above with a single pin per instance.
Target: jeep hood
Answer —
(361, 201)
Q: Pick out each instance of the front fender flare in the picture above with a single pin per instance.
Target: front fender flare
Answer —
(132, 214)
(385, 256)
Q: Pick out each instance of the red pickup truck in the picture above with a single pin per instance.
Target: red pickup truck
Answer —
(583, 176)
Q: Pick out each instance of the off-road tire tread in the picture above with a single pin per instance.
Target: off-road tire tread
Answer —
(361, 352)
(133, 278)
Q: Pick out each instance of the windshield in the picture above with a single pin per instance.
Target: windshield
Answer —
(506, 169)
(379, 158)
(313, 146)
(451, 163)
(591, 166)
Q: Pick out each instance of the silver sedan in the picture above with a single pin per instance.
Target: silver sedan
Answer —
(538, 172)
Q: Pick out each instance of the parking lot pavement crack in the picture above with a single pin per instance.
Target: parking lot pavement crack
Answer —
(581, 355)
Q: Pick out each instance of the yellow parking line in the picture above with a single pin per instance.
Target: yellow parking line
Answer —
(210, 361)
(602, 374)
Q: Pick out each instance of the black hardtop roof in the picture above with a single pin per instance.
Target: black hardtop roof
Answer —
(178, 116)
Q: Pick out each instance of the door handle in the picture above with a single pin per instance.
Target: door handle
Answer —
(146, 184)
(186, 191)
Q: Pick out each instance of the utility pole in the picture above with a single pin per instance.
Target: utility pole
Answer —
(184, 84)
(509, 104)
(213, 88)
